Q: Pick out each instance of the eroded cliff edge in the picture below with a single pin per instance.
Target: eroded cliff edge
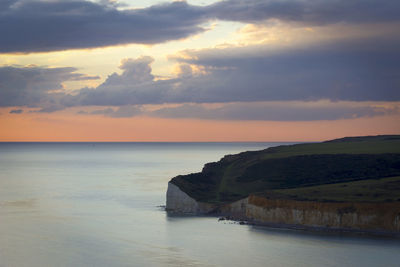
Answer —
(180, 202)
(350, 183)
(372, 217)
(381, 217)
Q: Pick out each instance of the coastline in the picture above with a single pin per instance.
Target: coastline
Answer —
(359, 218)
(316, 229)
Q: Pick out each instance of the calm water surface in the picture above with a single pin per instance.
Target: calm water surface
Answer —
(96, 204)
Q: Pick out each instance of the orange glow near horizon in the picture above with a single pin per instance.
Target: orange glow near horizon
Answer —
(190, 72)
(67, 127)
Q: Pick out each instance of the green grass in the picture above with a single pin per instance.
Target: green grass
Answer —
(371, 190)
(360, 145)
(283, 167)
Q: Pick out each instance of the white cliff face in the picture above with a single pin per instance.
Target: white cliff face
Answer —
(313, 217)
(236, 209)
(178, 201)
(361, 216)
(358, 216)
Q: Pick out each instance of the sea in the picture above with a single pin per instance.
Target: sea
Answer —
(102, 204)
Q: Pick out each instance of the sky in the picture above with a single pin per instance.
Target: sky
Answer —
(199, 70)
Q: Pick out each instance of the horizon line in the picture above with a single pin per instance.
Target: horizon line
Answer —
(2, 142)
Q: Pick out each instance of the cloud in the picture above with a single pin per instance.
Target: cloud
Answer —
(136, 85)
(256, 111)
(256, 82)
(35, 86)
(135, 71)
(364, 70)
(5, 4)
(39, 25)
(121, 112)
(353, 70)
(34, 26)
(16, 111)
(308, 12)
(276, 111)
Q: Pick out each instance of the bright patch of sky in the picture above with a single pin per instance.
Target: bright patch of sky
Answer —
(104, 61)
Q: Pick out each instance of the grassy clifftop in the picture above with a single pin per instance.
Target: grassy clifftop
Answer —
(302, 166)
(369, 190)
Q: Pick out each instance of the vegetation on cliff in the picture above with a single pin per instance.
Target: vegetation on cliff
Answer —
(370, 190)
(347, 169)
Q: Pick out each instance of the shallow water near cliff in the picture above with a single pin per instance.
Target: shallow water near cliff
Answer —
(97, 204)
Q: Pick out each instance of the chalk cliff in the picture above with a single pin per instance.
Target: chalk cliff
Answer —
(375, 217)
(180, 202)
(350, 183)
(346, 215)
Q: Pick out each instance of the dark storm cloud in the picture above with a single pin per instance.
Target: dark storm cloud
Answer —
(32, 26)
(310, 12)
(33, 86)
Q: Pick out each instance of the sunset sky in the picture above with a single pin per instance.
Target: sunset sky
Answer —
(199, 70)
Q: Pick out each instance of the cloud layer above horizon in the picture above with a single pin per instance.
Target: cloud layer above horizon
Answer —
(37, 25)
(316, 79)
